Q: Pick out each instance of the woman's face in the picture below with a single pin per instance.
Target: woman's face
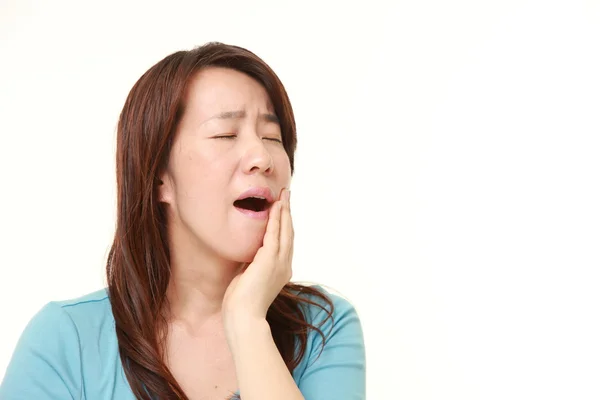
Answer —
(227, 142)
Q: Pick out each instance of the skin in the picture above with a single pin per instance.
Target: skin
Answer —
(227, 268)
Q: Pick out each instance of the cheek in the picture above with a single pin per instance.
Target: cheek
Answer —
(282, 164)
(200, 175)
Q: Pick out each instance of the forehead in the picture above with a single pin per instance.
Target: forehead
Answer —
(216, 90)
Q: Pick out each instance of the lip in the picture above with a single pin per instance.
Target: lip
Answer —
(261, 215)
(258, 192)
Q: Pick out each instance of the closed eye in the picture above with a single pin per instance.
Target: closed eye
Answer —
(225, 137)
(277, 140)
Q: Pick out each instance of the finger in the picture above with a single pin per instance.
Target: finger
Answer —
(286, 238)
(271, 238)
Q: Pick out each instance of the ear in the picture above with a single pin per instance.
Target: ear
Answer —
(165, 188)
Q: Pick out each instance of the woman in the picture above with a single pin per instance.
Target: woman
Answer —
(198, 304)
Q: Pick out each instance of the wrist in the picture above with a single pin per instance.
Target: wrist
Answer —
(241, 329)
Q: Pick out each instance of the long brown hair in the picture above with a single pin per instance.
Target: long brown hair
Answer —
(138, 267)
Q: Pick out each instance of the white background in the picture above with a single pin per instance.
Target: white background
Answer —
(448, 172)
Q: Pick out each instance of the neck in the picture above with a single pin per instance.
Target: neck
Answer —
(199, 279)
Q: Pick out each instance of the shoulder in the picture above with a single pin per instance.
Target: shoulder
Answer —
(73, 314)
(84, 310)
(320, 306)
(65, 325)
(333, 317)
(93, 297)
(69, 322)
(50, 354)
(82, 314)
(334, 362)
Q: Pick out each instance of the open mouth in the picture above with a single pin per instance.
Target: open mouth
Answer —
(255, 204)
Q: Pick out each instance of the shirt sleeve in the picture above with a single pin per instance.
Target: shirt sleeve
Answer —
(46, 363)
(339, 371)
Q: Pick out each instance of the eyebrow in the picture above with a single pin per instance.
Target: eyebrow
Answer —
(269, 117)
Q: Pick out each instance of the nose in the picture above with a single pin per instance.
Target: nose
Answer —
(257, 158)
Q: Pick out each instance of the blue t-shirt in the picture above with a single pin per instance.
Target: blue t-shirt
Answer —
(69, 350)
